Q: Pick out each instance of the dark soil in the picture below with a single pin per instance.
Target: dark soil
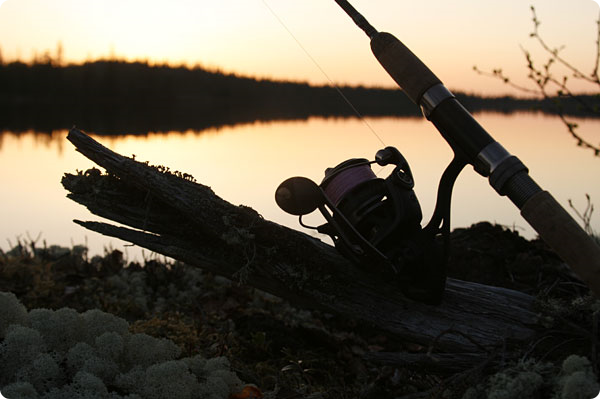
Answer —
(293, 353)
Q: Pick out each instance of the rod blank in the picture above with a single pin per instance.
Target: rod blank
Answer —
(357, 17)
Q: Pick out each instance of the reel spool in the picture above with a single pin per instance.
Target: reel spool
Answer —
(376, 222)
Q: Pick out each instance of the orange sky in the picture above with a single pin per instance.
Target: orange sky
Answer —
(244, 36)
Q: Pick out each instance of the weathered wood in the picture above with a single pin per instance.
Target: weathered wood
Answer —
(432, 362)
(187, 221)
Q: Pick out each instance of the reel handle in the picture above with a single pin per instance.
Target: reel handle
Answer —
(409, 72)
(299, 196)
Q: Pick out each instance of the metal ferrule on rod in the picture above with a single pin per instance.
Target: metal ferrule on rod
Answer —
(434, 97)
(507, 174)
(493, 155)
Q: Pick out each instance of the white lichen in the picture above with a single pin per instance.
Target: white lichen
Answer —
(145, 350)
(577, 379)
(531, 379)
(47, 354)
(48, 322)
(171, 379)
(21, 390)
(13, 312)
(522, 385)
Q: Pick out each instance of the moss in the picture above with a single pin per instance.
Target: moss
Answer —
(173, 326)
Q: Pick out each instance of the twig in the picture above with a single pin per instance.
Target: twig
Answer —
(586, 216)
(453, 380)
(593, 78)
(499, 74)
(534, 345)
(555, 347)
(543, 77)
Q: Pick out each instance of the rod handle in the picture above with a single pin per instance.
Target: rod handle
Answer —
(563, 234)
(411, 74)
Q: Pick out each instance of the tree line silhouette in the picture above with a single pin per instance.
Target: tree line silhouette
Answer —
(116, 97)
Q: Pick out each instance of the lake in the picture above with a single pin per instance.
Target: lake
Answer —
(245, 163)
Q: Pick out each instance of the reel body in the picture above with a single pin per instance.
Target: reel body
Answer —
(374, 222)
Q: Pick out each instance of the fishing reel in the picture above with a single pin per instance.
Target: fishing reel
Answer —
(376, 222)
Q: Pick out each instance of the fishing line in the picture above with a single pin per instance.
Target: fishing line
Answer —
(345, 180)
(335, 86)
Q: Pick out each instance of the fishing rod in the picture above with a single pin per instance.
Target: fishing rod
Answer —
(506, 173)
(357, 208)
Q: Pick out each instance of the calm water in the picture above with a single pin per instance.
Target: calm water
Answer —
(245, 163)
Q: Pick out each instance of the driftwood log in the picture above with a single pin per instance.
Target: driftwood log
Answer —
(171, 214)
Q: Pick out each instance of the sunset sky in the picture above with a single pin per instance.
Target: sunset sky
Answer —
(252, 37)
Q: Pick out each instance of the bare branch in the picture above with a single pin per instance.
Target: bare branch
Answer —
(592, 78)
(544, 80)
(498, 73)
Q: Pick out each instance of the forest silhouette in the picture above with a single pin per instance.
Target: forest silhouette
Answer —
(119, 97)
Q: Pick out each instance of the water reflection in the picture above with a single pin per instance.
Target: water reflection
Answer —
(47, 139)
(245, 163)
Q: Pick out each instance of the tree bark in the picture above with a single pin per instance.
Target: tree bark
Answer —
(436, 362)
(170, 214)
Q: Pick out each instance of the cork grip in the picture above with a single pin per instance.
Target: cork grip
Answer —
(411, 74)
(561, 232)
